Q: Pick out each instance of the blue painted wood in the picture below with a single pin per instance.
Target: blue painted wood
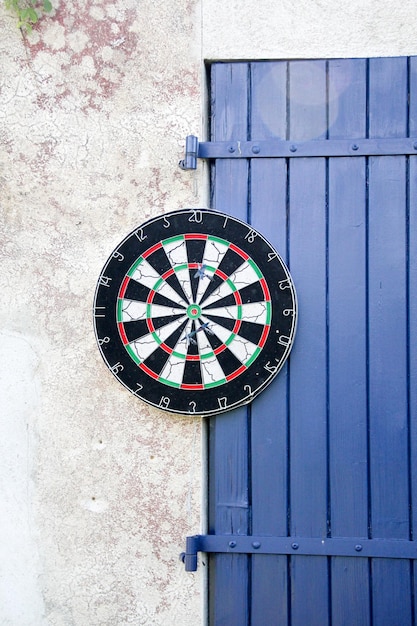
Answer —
(329, 449)
(269, 414)
(412, 320)
(307, 390)
(229, 437)
(388, 385)
(347, 307)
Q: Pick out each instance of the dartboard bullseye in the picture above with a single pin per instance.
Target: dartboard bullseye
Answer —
(195, 312)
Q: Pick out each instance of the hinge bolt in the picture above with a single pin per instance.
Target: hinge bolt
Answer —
(232, 149)
(295, 546)
(256, 544)
(415, 145)
(293, 148)
(355, 147)
(358, 547)
(256, 149)
(232, 544)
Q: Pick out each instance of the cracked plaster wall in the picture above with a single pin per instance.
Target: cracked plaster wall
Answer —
(98, 490)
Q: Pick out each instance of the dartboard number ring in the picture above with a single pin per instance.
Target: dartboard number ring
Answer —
(195, 312)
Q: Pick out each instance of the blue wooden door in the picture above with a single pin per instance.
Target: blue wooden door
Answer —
(321, 468)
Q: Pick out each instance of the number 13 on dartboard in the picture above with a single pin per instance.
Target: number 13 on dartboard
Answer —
(193, 312)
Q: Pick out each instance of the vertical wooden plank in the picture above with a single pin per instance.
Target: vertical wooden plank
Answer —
(388, 386)
(308, 100)
(229, 120)
(308, 410)
(269, 411)
(347, 326)
(412, 319)
(229, 444)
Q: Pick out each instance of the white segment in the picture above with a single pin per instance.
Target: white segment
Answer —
(159, 310)
(204, 346)
(165, 290)
(222, 291)
(146, 275)
(144, 346)
(220, 331)
(214, 252)
(254, 312)
(211, 371)
(173, 369)
(176, 252)
(242, 348)
(244, 275)
(133, 310)
(182, 345)
(229, 312)
(184, 280)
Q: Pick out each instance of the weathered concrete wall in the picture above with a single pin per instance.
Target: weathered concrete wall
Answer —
(98, 490)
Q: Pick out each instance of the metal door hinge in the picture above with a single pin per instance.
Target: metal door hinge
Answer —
(277, 148)
(313, 546)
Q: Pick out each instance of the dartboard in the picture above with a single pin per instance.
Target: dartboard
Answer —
(195, 312)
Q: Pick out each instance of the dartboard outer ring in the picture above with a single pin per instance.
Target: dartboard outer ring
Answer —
(195, 312)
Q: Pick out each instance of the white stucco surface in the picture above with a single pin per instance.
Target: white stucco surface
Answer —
(98, 490)
(284, 29)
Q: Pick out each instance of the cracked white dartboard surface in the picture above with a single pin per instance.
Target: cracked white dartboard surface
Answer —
(195, 312)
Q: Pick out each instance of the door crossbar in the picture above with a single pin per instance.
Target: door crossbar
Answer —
(312, 546)
(291, 149)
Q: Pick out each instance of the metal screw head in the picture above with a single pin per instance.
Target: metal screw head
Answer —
(256, 149)
(232, 544)
(232, 149)
(256, 544)
(293, 148)
(295, 546)
(355, 147)
(415, 145)
(358, 547)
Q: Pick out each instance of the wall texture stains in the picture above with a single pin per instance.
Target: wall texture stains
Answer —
(99, 490)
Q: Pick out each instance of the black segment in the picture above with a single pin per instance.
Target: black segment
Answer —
(230, 262)
(175, 284)
(212, 286)
(228, 362)
(195, 250)
(136, 329)
(252, 293)
(192, 373)
(227, 322)
(159, 261)
(159, 322)
(157, 360)
(251, 332)
(162, 300)
(173, 339)
(223, 302)
(136, 291)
